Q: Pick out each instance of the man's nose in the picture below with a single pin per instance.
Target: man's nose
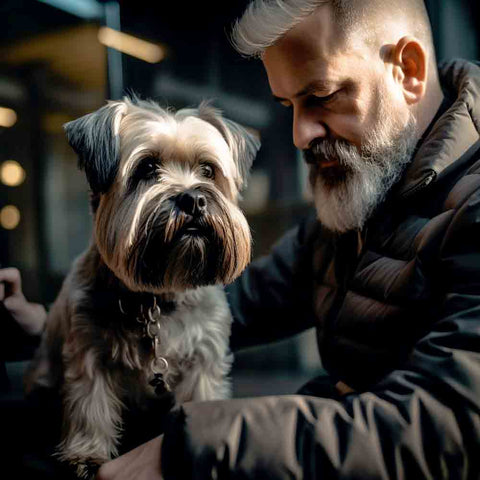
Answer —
(307, 127)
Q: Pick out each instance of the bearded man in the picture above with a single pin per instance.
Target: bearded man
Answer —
(388, 270)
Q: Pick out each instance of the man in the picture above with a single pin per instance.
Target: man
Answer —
(21, 322)
(388, 272)
(29, 316)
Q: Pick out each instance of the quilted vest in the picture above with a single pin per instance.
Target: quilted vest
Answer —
(377, 292)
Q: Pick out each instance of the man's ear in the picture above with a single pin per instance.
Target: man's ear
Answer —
(410, 68)
(95, 139)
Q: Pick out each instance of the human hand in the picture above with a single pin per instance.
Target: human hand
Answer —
(142, 463)
(29, 316)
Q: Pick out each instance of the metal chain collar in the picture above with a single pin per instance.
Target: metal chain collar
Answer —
(151, 328)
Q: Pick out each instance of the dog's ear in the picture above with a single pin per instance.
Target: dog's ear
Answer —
(95, 139)
(243, 144)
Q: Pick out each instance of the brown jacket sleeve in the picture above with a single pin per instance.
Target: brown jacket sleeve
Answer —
(420, 423)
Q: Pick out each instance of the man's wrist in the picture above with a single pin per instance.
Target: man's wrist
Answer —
(31, 318)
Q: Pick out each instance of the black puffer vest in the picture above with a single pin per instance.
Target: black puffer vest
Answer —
(376, 292)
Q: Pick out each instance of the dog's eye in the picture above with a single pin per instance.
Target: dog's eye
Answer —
(145, 170)
(207, 170)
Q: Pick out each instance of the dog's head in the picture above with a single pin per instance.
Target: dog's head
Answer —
(165, 187)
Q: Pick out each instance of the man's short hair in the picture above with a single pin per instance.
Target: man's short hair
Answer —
(266, 21)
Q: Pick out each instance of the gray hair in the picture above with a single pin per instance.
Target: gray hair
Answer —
(265, 21)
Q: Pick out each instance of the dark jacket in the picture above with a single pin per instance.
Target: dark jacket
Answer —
(397, 311)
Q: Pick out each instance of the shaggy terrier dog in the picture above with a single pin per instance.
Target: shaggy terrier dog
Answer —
(142, 311)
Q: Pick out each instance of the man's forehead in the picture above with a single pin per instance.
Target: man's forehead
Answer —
(293, 75)
(314, 56)
(315, 43)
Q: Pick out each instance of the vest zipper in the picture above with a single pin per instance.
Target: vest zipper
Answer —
(362, 240)
(424, 182)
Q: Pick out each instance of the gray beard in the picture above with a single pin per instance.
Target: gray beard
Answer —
(346, 195)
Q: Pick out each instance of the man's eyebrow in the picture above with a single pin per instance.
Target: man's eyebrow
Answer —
(315, 86)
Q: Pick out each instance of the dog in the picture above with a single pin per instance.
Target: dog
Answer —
(142, 312)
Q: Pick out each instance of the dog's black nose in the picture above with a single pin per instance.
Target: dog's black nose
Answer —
(192, 202)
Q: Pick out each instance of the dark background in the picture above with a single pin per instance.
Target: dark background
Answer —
(53, 69)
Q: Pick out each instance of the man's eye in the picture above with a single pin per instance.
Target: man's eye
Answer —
(207, 170)
(324, 99)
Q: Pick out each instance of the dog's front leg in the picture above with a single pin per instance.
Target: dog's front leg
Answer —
(92, 414)
(205, 380)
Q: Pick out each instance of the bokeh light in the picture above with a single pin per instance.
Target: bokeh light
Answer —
(8, 117)
(9, 217)
(12, 173)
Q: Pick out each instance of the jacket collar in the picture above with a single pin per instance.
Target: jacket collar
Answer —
(454, 134)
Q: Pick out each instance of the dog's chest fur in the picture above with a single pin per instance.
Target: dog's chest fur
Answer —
(94, 314)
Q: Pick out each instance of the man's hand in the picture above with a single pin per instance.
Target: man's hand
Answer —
(142, 463)
(30, 316)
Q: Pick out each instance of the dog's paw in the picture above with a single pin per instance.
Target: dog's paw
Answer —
(83, 462)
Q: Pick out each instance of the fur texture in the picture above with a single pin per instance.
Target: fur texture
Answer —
(167, 234)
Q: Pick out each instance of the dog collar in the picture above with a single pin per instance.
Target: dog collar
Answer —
(150, 317)
(136, 304)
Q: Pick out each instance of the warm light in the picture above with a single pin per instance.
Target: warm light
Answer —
(149, 52)
(9, 217)
(12, 173)
(8, 117)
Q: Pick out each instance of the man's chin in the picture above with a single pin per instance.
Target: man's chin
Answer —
(344, 199)
(336, 210)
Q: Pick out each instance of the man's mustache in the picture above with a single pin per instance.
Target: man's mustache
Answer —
(327, 150)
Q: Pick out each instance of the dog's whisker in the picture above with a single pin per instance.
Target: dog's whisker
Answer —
(171, 227)
(154, 213)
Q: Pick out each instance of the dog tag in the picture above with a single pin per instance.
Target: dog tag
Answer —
(159, 367)
(159, 384)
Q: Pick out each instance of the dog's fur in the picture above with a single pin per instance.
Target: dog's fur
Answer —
(167, 230)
